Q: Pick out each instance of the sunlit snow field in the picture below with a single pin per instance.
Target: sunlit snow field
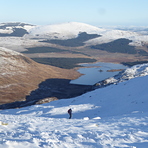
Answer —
(112, 117)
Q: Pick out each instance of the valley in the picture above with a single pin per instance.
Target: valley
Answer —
(56, 52)
(75, 40)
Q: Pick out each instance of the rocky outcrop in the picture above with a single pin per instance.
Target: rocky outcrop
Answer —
(46, 100)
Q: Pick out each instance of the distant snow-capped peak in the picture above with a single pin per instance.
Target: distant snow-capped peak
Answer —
(65, 30)
(72, 29)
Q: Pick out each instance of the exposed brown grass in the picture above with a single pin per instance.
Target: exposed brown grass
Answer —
(16, 87)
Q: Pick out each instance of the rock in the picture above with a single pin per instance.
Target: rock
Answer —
(46, 100)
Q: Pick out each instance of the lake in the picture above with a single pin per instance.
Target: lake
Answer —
(93, 73)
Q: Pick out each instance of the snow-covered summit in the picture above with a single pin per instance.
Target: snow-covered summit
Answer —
(72, 29)
(64, 30)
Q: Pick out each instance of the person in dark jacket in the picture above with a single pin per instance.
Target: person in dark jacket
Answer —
(70, 113)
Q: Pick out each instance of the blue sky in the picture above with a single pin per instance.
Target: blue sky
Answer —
(93, 12)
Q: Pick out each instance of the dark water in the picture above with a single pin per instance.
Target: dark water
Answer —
(94, 74)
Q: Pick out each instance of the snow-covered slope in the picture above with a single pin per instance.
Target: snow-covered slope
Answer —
(111, 35)
(12, 63)
(112, 117)
(130, 73)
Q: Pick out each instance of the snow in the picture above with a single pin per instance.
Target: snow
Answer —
(17, 43)
(136, 71)
(11, 63)
(67, 31)
(130, 73)
(8, 59)
(7, 31)
(115, 116)
(72, 29)
(5, 52)
(26, 27)
(111, 35)
(64, 31)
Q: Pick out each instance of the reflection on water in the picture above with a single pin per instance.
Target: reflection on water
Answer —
(94, 73)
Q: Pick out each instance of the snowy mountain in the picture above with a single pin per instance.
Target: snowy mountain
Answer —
(22, 35)
(71, 30)
(63, 31)
(115, 116)
(19, 75)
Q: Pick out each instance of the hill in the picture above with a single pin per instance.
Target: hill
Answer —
(74, 40)
(63, 31)
(91, 41)
(72, 30)
(20, 75)
(113, 116)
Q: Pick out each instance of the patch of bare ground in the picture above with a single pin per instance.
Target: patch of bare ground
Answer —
(113, 70)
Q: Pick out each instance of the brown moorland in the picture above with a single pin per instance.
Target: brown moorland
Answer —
(19, 75)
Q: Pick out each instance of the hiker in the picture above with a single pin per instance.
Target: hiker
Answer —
(70, 113)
